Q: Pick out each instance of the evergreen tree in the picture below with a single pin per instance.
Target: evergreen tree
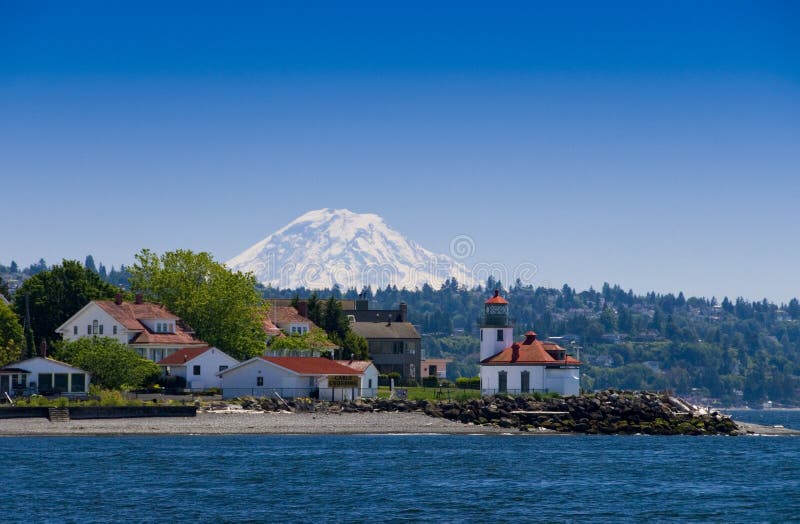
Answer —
(89, 263)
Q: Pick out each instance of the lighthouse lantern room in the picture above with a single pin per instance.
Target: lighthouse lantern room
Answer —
(497, 330)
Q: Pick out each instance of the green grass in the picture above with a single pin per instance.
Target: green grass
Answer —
(420, 393)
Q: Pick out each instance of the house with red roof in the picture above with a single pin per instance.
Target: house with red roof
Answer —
(199, 366)
(528, 366)
(290, 377)
(150, 329)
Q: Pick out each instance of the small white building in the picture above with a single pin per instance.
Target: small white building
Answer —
(44, 376)
(149, 329)
(525, 367)
(369, 375)
(199, 366)
(291, 377)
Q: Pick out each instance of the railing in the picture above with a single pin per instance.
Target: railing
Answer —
(509, 391)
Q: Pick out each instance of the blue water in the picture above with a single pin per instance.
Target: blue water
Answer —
(401, 478)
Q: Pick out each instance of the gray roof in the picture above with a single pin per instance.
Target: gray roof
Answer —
(383, 330)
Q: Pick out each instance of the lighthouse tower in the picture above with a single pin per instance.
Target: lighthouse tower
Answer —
(497, 331)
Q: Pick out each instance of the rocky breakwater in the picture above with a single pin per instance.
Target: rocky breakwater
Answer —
(607, 412)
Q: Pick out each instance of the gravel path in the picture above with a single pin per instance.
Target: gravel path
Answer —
(247, 423)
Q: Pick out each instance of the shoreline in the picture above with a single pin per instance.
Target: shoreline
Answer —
(285, 423)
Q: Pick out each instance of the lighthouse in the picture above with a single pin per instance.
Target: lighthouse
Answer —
(497, 331)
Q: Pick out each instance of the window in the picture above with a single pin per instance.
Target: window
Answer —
(101, 329)
(61, 382)
(499, 335)
(259, 381)
(78, 383)
(75, 330)
(502, 382)
(94, 327)
(114, 329)
(171, 327)
(397, 348)
(223, 368)
(88, 329)
(195, 370)
(369, 383)
(18, 381)
(525, 381)
(45, 382)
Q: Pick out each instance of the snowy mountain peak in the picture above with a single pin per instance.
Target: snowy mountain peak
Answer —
(337, 246)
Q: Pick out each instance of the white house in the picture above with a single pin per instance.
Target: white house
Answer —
(369, 375)
(44, 376)
(291, 377)
(525, 367)
(150, 329)
(199, 366)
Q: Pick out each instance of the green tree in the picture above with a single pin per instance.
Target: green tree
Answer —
(11, 335)
(354, 347)
(56, 294)
(335, 321)
(112, 364)
(224, 308)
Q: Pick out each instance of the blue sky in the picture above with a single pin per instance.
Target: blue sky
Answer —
(654, 146)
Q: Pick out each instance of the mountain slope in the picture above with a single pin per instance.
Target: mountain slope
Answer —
(336, 246)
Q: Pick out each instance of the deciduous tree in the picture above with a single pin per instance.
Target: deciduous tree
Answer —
(223, 307)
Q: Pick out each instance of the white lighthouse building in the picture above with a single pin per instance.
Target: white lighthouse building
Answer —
(521, 367)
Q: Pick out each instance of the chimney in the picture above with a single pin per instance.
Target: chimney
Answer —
(118, 298)
(496, 292)
(43, 349)
(302, 308)
(403, 312)
(139, 298)
(514, 352)
(530, 336)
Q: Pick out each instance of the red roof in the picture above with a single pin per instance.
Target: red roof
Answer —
(130, 315)
(182, 356)
(497, 299)
(531, 351)
(358, 365)
(285, 315)
(270, 328)
(312, 365)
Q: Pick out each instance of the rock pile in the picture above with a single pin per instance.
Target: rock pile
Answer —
(607, 412)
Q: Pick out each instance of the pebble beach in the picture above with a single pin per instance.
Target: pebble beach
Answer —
(238, 422)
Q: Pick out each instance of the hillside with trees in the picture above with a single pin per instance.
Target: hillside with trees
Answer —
(736, 351)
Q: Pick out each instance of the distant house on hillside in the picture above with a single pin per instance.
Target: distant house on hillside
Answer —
(149, 329)
(283, 320)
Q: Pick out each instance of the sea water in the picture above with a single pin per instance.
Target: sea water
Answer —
(403, 478)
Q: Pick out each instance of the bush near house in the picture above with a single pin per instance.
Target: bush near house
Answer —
(468, 382)
(430, 382)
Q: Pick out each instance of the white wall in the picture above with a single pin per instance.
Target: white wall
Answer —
(243, 380)
(86, 317)
(209, 363)
(39, 365)
(554, 380)
(370, 377)
(490, 346)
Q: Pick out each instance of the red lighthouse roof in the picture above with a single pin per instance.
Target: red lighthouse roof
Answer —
(497, 299)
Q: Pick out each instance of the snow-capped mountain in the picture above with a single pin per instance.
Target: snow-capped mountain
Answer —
(336, 246)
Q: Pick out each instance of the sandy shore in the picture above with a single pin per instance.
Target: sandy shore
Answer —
(248, 423)
(277, 424)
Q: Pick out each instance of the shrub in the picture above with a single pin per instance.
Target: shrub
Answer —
(468, 382)
(172, 382)
(430, 382)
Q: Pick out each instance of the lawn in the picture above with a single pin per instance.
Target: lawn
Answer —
(420, 393)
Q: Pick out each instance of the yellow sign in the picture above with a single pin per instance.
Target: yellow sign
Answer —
(343, 381)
